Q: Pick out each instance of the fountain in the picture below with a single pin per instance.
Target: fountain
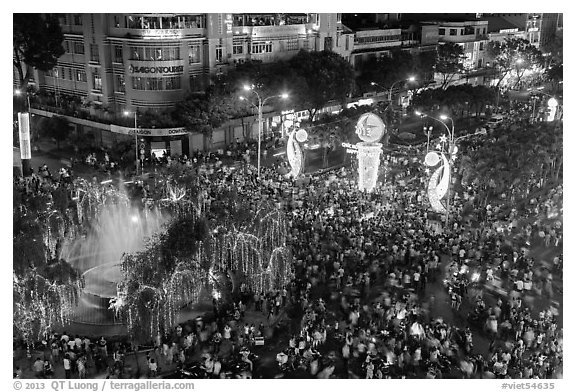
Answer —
(115, 229)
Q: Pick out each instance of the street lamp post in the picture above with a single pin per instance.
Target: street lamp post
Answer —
(428, 130)
(127, 113)
(261, 103)
(409, 79)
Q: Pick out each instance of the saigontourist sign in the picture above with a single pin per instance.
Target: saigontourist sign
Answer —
(172, 69)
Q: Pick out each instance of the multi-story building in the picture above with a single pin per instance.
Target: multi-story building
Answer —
(541, 28)
(538, 28)
(506, 26)
(471, 35)
(151, 61)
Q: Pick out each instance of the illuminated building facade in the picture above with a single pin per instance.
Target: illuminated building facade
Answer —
(471, 35)
(152, 61)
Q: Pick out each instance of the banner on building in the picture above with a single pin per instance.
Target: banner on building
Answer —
(24, 128)
(149, 131)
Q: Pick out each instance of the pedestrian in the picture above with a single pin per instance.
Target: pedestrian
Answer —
(67, 366)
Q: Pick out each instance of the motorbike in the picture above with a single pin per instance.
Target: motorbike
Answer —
(193, 370)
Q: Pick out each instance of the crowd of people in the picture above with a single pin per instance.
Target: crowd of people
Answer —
(346, 242)
(364, 299)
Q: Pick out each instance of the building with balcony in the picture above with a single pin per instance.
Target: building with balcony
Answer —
(152, 61)
(471, 35)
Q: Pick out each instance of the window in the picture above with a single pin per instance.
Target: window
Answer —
(219, 53)
(262, 47)
(77, 18)
(453, 32)
(138, 83)
(79, 47)
(441, 31)
(70, 76)
(174, 53)
(118, 57)
(151, 22)
(149, 54)
(292, 44)
(62, 73)
(155, 53)
(173, 83)
(136, 54)
(116, 20)
(134, 22)
(194, 54)
(347, 42)
(154, 84)
(119, 84)
(66, 46)
(80, 75)
(481, 46)
(96, 80)
(94, 55)
(237, 48)
(151, 84)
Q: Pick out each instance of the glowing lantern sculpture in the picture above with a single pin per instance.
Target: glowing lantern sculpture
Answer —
(552, 108)
(294, 151)
(370, 129)
(438, 183)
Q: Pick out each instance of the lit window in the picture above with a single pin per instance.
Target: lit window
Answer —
(118, 55)
(194, 54)
(80, 76)
(94, 55)
(237, 48)
(292, 44)
(219, 53)
(96, 80)
(120, 84)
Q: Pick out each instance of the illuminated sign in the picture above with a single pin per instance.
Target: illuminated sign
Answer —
(228, 23)
(161, 34)
(509, 30)
(531, 29)
(24, 128)
(149, 131)
(161, 70)
(370, 127)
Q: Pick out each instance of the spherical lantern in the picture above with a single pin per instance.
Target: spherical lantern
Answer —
(301, 135)
(370, 128)
(431, 159)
